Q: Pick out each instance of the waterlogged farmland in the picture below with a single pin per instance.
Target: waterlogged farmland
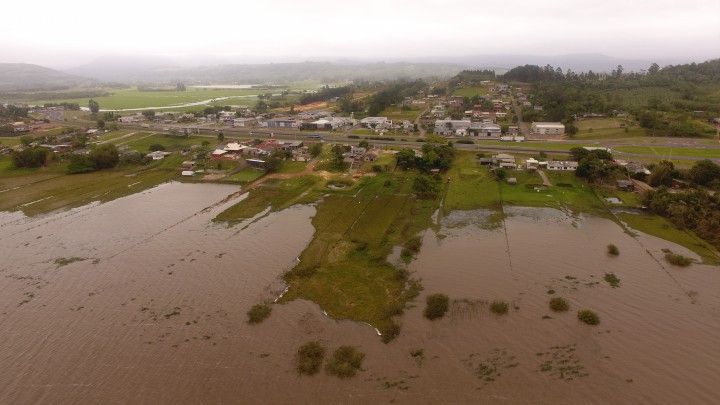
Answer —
(164, 280)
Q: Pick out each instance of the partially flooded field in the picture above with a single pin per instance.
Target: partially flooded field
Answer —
(143, 300)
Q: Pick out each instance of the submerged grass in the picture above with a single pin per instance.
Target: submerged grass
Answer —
(309, 358)
(559, 304)
(612, 279)
(346, 362)
(499, 307)
(437, 306)
(258, 313)
(589, 317)
(678, 259)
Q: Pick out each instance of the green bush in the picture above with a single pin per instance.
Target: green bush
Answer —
(389, 332)
(678, 260)
(437, 305)
(613, 250)
(156, 147)
(588, 316)
(499, 307)
(559, 304)
(258, 313)
(345, 363)
(309, 358)
(612, 279)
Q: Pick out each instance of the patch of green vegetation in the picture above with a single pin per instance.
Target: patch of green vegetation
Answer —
(660, 227)
(346, 362)
(290, 166)
(64, 261)
(499, 307)
(344, 269)
(588, 316)
(258, 313)
(666, 152)
(41, 190)
(436, 306)
(134, 98)
(246, 175)
(273, 194)
(612, 279)
(559, 304)
(470, 91)
(411, 248)
(613, 250)
(309, 358)
(470, 186)
(396, 113)
(677, 259)
(143, 141)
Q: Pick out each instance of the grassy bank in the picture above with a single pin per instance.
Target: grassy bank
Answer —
(660, 227)
(274, 194)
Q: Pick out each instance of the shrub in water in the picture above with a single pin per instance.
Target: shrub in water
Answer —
(258, 313)
(499, 307)
(612, 279)
(678, 260)
(613, 250)
(309, 358)
(437, 305)
(559, 304)
(588, 316)
(346, 362)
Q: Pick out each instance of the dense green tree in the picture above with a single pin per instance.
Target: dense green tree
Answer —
(93, 106)
(705, 172)
(105, 156)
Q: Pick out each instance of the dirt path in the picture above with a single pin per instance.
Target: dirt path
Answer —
(545, 179)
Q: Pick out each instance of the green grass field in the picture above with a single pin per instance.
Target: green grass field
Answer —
(245, 175)
(470, 91)
(665, 152)
(663, 229)
(133, 98)
(142, 141)
(398, 114)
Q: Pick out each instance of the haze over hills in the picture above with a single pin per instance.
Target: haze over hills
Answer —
(19, 77)
(28, 77)
(215, 69)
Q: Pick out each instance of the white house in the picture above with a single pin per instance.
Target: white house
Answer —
(375, 122)
(562, 165)
(547, 128)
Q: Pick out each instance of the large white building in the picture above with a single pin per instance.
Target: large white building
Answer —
(449, 127)
(547, 128)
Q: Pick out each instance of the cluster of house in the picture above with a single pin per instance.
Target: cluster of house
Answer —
(507, 161)
(358, 154)
(255, 151)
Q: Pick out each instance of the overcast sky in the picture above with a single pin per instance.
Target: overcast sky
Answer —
(72, 32)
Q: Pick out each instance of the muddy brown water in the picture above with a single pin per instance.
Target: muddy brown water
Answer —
(156, 312)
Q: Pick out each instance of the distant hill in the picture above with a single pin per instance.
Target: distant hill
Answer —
(143, 71)
(15, 77)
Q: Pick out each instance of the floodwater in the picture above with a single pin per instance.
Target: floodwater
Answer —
(155, 313)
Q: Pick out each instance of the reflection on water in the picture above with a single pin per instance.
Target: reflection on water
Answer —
(149, 306)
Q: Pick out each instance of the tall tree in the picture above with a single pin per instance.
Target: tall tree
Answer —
(93, 106)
